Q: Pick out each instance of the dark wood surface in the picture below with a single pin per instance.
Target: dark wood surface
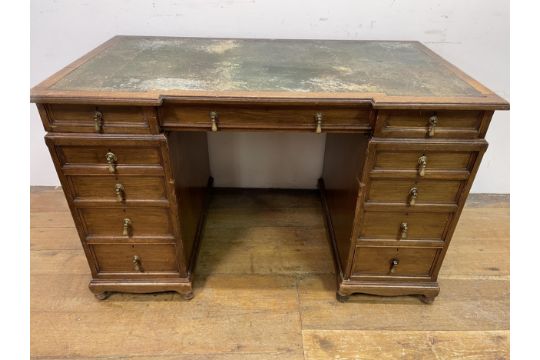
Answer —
(404, 139)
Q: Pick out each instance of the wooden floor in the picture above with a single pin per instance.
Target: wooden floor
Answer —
(265, 289)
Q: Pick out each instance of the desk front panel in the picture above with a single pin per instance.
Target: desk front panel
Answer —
(314, 118)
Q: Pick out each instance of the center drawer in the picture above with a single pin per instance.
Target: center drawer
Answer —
(128, 222)
(217, 117)
(393, 261)
(135, 258)
(118, 188)
(413, 192)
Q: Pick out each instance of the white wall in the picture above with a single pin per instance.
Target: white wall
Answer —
(474, 35)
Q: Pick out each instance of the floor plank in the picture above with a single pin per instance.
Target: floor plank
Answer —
(461, 305)
(480, 245)
(229, 314)
(278, 217)
(265, 250)
(265, 198)
(413, 345)
(42, 238)
(51, 219)
(48, 200)
(58, 262)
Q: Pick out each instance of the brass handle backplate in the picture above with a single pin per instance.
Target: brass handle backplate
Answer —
(213, 119)
(127, 227)
(98, 121)
(422, 164)
(432, 124)
(393, 265)
(404, 227)
(119, 190)
(111, 160)
(318, 119)
(413, 194)
(137, 263)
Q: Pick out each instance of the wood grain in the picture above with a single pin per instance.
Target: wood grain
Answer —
(463, 304)
(386, 345)
(265, 117)
(265, 250)
(261, 318)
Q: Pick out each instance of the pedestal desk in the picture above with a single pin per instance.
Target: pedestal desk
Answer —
(127, 131)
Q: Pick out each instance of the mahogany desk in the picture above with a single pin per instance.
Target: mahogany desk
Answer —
(127, 128)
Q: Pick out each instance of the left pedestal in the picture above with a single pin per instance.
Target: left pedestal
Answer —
(138, 202)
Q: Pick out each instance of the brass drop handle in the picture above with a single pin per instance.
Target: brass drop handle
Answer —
(318, 119)
(422, 164)
(393, 265)
(137, 263)
(404, 227)
(127, 226)
(213, 119)
(119, 190)
(98, 121)
(413, 194)
(111, 160)
(432, 124)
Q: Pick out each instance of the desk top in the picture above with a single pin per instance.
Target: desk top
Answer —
(149, 69)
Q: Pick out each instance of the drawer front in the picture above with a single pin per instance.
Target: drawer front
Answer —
(118, 188)
(401, 191)
(135, 258)
(143, 221)
(430, 124)
(404, 226)
(416, 160)
(265, 117)
(100, 119)
(392, 261)
(98, 155)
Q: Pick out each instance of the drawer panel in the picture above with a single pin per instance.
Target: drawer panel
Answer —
(399, 191)
(379, 261)
(144, 221)
(118, 188)
(404, 226)
(265, 117)
(110, 119)
(433, 160)
(135, 258)
(97, 155)
(417, 124)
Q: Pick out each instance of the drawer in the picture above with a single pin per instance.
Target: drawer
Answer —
(424, 162)
(404, 226)
(109, 157)
(431, 124)
(92, 154)
(141, 221)
(135, 258)
(265, 117)
(392, 261)
(118, 188)
(414, 192)
(99, 119)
